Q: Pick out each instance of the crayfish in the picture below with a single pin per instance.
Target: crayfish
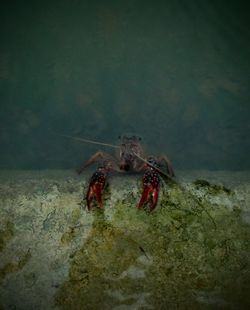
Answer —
(129, 157)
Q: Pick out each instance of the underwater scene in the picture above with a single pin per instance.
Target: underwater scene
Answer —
(124, 155)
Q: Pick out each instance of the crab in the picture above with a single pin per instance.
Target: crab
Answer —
(129, 157)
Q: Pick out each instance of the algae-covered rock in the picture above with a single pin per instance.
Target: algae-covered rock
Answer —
(14, 266)
(68, 236)
(213, 188)
(96, 267)
(6, 234)
(192, 252)
(186, 248)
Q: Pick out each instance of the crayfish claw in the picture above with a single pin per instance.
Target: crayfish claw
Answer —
(149, 193)
(96, 186)
(144, 197)
(151, 186)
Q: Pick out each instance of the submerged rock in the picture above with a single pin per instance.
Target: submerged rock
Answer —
(6, 234)
(214, 188)
(191, 252)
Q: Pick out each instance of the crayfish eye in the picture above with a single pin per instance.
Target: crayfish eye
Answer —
(126, 167)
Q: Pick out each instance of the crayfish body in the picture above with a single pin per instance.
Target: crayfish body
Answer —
(130, 158)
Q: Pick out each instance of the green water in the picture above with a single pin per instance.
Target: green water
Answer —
(175, 72)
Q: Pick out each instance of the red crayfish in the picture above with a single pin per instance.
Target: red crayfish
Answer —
(129, 156)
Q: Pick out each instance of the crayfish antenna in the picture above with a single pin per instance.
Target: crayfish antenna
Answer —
(87, 140)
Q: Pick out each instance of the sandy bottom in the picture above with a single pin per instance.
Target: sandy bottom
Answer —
(193, 252)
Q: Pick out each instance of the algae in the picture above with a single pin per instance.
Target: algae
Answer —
(175, 258)
(71, 232)
(14, 266)
(107, 252)
(68, 236)
(192, 252)
(213, 188)
(76, 215)
(6, 234)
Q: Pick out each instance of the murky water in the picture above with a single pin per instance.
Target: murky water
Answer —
(176, 73)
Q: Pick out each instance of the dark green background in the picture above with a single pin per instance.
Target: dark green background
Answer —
(175, 72)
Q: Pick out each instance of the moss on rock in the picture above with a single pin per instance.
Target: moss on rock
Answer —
(213, 188)
(185, 254)
(6, 234)
(14, 266)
